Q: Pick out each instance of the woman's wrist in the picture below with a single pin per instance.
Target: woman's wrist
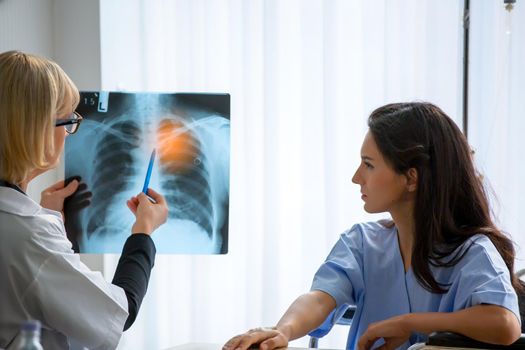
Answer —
(141, 227)
(285, 330)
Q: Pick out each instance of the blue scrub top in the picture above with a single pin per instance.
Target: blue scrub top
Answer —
(365, 269)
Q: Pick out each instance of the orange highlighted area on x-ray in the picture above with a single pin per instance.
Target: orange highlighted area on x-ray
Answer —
(176, 145)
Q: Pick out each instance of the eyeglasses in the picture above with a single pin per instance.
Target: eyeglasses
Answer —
(72, 123)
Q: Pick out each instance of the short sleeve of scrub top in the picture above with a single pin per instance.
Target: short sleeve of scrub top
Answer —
(481, 277)
(341, 275)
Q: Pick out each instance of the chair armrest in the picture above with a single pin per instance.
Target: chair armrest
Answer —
(460, 341)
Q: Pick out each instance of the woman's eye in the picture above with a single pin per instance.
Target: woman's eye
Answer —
(369, 166)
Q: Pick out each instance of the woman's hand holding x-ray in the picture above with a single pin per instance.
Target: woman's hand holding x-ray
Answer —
(53, 197)
(149, 216)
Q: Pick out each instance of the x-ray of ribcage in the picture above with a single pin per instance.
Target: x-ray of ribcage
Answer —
(111, 151)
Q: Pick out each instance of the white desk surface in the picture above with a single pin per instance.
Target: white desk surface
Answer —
(208, 346)
(430, 347)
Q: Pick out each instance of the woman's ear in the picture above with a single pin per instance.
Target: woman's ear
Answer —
(411, 176)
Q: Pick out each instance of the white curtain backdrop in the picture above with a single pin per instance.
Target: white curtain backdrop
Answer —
(303, 77)
(497, 110)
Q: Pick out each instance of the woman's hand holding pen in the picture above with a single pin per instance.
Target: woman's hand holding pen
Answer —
(149, 216)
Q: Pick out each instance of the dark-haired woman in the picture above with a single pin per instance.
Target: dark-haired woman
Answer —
(439, 265)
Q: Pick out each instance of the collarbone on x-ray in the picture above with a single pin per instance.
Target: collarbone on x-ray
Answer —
(111, 152)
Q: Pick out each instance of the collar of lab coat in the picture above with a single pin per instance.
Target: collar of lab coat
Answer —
(12, 201)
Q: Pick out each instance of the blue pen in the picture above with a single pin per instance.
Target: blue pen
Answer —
(148, 174)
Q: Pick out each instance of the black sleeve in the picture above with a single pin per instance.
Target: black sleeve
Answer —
(133, 271)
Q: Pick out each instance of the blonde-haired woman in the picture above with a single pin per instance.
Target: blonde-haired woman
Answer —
(41, 276)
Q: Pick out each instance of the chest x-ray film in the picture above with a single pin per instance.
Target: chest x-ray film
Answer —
(110, 152)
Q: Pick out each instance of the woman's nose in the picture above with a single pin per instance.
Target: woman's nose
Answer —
(355, 178)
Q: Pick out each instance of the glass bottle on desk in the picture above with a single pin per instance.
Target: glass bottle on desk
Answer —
(30, 336)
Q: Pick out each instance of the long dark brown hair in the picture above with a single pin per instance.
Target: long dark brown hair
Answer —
(451, 202)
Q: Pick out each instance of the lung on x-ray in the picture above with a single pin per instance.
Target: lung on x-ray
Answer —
(110, 154)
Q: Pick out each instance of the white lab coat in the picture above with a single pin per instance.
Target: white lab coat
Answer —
(41, 278)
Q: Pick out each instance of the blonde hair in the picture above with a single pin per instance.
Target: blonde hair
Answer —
(33, 91)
